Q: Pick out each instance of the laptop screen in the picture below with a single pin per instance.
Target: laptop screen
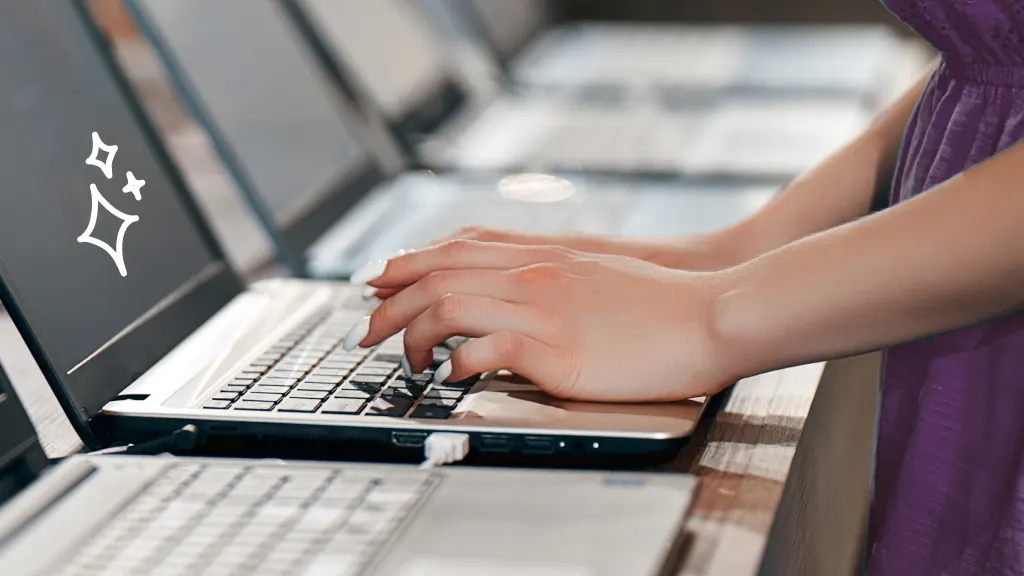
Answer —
(388, 46)
(95, 241)
(510, 25)
(246, 65)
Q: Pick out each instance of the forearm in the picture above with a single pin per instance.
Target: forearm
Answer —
(837, 191)
(948, 258)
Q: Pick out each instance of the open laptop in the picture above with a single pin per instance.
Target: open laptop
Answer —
(659, 60)
(391, 59)
(125, 300)
(300, 154)
(164, 515)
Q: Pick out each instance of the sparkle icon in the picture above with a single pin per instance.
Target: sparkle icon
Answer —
(134, 186)
(126, 221)
(106, 165)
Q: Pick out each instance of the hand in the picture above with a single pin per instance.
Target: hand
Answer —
(697, 252)
(579, 326)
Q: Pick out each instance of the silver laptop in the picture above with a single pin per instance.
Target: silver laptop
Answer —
(164, 515)
(397, 67)
(659, 60)
(303, 158)
(124, 297)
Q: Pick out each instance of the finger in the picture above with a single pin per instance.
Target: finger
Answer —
(396, 312)
(409, 268)
(549, 367)
(473, 316)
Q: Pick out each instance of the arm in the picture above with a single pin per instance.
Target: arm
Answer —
(839, 190)
(946, 259)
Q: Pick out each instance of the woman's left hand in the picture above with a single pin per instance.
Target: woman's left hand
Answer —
(579, 326)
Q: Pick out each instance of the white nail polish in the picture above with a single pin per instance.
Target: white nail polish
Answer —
(443, 372)
(369, 272)
(406, 367)
(369, 293)
(357, 333)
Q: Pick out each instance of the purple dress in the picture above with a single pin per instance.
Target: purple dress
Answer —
(949, 482)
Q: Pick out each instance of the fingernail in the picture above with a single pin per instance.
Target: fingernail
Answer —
(357, 333)
(369, 293)
(406, 367)
(443, 372)
(369, 272)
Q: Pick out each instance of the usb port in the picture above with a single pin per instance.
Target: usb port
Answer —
(538, 445)
(408, 439)
(495, 443)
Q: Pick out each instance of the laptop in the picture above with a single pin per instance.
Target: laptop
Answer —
(167, 515)
(395, 64)
(659, 60)
(302, 157)
(125, 300)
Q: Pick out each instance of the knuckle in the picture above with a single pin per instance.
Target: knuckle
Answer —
(473, 233)
(435, 283)
(558, 253)
(456, 248)
(508, 347)
(540, 274)
(449, 309)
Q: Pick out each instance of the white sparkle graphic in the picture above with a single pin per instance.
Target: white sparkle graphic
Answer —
(126, 221)
(134, 186)
(107, 165)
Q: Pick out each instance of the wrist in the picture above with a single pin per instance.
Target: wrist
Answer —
(742, 345)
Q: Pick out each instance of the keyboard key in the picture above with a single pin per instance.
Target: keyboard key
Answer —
(320, 378)
(343, 406)
(296, 366)
(241, 381)
(318, 371)
(310, 394)
(369, 378)
(387, 357)
(260, 389)
(318, 386)
(267, 381)
(251, 405)
(285, 374)
(434, 401)
(347, 366)
(392, 406)
(234, 388)
(364, 371)
(258, 397)
(444, 393)
(388, 367)
(217, 404)
(248, 375)
(423, 378)
(298, 405)
(428, 412)
(229, 396)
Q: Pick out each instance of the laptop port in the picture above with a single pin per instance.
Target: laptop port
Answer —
(408, 439)
(538, 445)
(495, 443)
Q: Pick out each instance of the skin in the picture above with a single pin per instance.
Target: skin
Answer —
(807, 278)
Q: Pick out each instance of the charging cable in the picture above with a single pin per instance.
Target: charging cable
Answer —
(443, 448)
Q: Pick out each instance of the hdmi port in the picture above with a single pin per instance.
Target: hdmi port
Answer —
(408, 439)
(495, 443)
(538, 445)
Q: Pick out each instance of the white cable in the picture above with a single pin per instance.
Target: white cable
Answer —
(443, 448)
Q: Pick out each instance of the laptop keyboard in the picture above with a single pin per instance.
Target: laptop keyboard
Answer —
(308, 372)
(222, 520)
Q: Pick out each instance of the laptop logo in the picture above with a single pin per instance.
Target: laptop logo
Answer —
(134, 187)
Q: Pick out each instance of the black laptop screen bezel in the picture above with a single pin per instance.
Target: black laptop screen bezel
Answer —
(84, 392)
(425, 117)
(293, 239)
(505, 59)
